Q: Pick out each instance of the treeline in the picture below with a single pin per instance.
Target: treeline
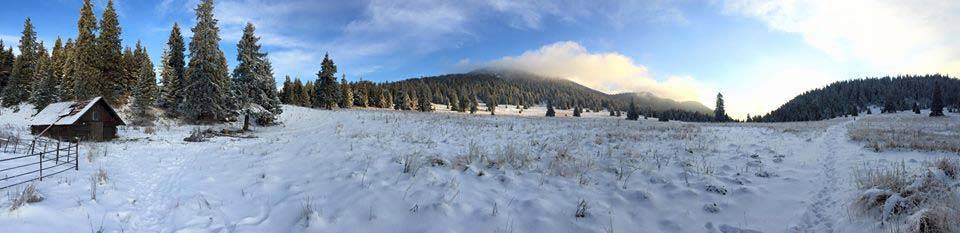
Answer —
(852, 97)
(465, 92)
(95, 64)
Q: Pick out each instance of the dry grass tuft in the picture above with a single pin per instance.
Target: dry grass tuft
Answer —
(29, 194)
(914, 201)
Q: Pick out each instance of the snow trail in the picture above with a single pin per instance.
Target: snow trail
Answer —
(824, 208)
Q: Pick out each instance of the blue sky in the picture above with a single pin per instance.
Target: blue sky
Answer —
(759, 53)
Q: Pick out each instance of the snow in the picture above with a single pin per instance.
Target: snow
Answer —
(343, 171)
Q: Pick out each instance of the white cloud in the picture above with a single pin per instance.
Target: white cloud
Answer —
(894, 36)
(607, 72)
(402, 29)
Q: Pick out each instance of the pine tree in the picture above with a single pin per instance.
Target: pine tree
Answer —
(308, 96)
(719, 113)
(327, 89)
(492, 105)
(145, 89)
(474, 104)
(6, 64)
(173, 73)
(112, 85)
(130, 64)
(936, 109)
(633, 113)
(550, 111)
(403, 103)
(296, 95)
(58, 58)
(24, 68)
(207, 79)
(66, 82)
(45, 82)
(423, 102)
(84, 75)
(388, 100)
(253, 80)
(464, 102)
(285, 91)
(454, 102)
(346, 98)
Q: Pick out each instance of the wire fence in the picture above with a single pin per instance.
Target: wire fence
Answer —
(23, 161)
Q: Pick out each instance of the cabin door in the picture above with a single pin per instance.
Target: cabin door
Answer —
(96, 131)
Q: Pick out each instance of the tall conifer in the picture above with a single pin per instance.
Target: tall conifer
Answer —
(84, 74)
(112, 84)
(173, 73)
(24, 68)
(326, 85)
(208, 81)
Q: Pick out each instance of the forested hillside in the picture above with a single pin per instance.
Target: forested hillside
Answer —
(463, 92)
(854, 96)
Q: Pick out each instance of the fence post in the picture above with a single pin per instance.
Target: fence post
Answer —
(41, 159)
(58, 152)
(76, 159)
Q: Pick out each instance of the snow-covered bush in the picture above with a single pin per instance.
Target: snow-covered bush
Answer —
(925, 200)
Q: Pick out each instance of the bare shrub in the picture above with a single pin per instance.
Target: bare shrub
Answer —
(949, 166)
(150, 130)
(29, 194)
(411, 163)
(581, 209)
(307, 211)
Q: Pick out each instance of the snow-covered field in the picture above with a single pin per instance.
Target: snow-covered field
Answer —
(388, 171)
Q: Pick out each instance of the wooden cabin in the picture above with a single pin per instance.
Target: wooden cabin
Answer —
(91, 119)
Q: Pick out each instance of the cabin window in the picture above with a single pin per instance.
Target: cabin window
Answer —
(95, 115)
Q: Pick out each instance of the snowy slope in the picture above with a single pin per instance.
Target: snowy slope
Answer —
(343, 171)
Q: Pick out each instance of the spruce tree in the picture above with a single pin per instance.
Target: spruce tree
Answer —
(454, 102)
(633, 113)
(207, 80)
(308, 96)
(24, 68)
(464, 102)
(403, 103)
(285, 91)
(112, 84)
(491, 105)
(84, 74)
(6, 64)
(423, 102)
(296, 95)
(346, 97)
(58, 58)
(474, 104)
(173, 73)
(719, 113)
(388, 101)
(145, 89)
(253, 80)
(66, 82)
(45, 90)
(550, 111)
(936, 109)
(327, 90)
